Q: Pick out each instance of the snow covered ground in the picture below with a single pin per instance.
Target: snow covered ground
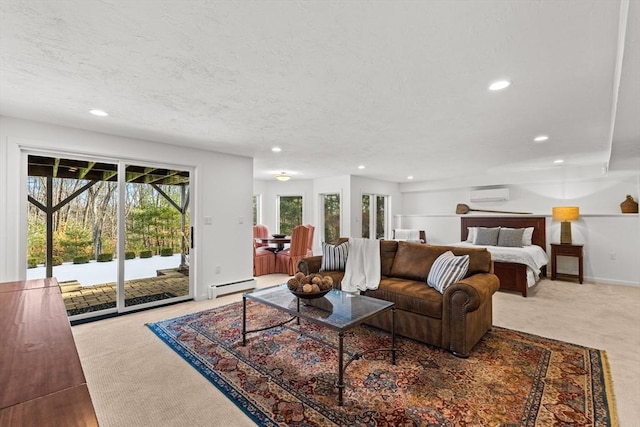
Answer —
(105, 272)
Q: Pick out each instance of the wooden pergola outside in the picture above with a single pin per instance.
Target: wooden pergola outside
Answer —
(94, 172)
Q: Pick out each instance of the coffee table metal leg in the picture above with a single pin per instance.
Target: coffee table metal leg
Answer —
(244, 321)
(340, 367)
(393, 335)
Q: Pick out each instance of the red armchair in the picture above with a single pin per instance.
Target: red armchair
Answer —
(260, 231)
(264, 260)
(310, 241)
(287, 260)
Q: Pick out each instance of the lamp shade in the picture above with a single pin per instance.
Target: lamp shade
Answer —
(566, 213)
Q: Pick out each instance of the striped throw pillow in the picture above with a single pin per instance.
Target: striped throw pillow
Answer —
(447, 269)
(334, 257)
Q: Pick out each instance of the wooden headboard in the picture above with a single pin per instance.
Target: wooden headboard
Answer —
(537, 222)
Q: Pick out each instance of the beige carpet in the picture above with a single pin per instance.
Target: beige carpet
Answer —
(136, 380)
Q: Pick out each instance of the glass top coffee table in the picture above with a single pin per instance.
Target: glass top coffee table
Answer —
(339, 311)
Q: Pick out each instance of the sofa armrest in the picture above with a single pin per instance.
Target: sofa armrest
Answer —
(476, 289)
(467, 312)
(310, 264)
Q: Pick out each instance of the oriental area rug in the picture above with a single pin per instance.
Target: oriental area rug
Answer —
(286, 376)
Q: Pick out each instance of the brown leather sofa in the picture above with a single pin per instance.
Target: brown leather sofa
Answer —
(455, 320)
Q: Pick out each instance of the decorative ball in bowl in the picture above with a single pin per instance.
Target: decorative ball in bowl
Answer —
(311, 286)
(279, 236)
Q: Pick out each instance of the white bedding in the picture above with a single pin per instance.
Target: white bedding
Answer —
(533, 256)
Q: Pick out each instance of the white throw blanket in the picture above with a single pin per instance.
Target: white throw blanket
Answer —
(362, 271)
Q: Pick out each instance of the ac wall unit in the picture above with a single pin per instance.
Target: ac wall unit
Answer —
(490, 195)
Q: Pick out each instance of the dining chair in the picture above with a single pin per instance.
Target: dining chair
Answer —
(287, 260)
(260, 231)
(264, 260)
(310, 241)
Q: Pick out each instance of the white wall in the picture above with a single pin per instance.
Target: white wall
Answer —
(221, 190)
(602, 227)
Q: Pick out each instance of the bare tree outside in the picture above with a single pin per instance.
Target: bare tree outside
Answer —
(331, 206)
(366, 215)
(85, 224)
(374, 215)
(290, 208)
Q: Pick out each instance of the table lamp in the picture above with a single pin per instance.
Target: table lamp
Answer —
(566, 214)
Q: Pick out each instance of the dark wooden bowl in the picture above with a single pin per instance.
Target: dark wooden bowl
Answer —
(310, 295)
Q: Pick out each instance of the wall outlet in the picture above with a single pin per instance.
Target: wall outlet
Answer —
(612, 256)
(218, 269)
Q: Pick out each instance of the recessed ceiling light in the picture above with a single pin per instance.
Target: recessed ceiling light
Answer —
(99, 113)
(557, 162)
(540, 138)
(361, 167)
(276, 149)
(499, 85)
(409, 177)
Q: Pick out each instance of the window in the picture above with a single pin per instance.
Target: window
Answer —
(366, 217)
(289, 213)
(330, 217)
(374, 218)
(380, 216)
(257, 209)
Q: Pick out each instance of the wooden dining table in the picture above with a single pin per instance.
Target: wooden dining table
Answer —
(278, 242)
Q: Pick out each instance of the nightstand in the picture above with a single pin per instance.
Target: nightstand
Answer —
(573, 250)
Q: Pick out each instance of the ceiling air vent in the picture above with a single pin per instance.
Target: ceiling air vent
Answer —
(489, 195)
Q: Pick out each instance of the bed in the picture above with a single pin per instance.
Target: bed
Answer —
(517, 268)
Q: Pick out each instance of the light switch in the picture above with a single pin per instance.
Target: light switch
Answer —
(208, 220)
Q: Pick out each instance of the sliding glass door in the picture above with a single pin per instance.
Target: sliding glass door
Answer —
(157, 235)
(72, 230)
(116, 236)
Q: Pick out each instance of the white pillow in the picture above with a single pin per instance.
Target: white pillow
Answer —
(471, 235)
(447, 269)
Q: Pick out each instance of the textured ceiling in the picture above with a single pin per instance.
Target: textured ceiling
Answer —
(400, 87)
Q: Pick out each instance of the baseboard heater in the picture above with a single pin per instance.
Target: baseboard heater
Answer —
(229, 288)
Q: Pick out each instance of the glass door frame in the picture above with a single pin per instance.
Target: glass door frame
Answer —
(121, 163)
(121, 306)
